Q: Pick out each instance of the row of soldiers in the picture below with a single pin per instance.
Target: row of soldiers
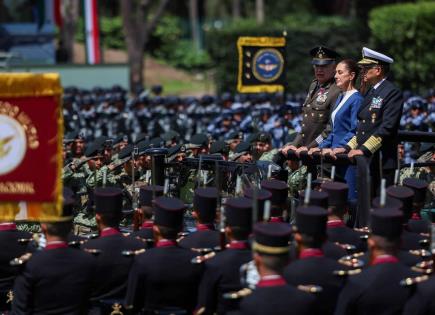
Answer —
(248, 254)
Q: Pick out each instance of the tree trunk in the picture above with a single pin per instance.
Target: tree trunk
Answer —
(137, 28)
(236, 9)
(259, 11)
(194, 23)
(70, 13)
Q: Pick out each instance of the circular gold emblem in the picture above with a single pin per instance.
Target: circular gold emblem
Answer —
(13, 144)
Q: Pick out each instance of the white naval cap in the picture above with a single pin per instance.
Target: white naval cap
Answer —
(371, 57)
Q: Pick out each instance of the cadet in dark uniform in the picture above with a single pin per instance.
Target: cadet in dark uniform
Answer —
(145, 231)
(422, 302)
(377, 289)
(113, 264)
(204, 212)
(416, 223)
(13, 244)
(337, 230)
(312, 266)
(164, 276)
(321, 96)
(58, 279)
(320, 199)
(405, 195)
(262, 195)
(222, 272)
(278, 200)
(378, 119)
(272, 294)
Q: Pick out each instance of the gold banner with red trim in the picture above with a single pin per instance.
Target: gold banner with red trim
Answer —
(31, 129)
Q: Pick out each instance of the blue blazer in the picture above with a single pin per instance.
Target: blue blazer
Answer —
(345, 122)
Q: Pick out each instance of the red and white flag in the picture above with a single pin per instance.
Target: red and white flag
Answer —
(92, 32)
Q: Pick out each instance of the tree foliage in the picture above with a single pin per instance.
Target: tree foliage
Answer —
(303, 33)
(406, 32)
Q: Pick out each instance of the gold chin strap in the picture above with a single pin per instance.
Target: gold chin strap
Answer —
(117, 309)
(10, 297)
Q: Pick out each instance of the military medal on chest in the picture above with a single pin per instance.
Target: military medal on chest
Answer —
(322, 96)
(376, 102)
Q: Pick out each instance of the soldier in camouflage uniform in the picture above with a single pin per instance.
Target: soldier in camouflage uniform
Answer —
(263, 147)
(199, 144)
(424, 173)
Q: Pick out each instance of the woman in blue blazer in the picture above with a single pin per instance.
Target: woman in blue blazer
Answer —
(344, 119)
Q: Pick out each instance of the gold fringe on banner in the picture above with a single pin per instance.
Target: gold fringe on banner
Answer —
(36, 85)
(29, 84)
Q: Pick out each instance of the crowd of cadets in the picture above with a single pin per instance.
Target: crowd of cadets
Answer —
(243, 258)
(219, 242)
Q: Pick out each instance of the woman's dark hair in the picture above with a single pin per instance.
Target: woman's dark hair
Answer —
(352, 66)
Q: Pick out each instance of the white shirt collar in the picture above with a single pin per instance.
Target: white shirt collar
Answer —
(378, 84)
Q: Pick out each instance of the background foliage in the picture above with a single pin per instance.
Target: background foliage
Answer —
(406, 31)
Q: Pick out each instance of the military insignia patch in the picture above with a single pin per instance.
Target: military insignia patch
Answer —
(268, 65)
(376, 102)
(261, 64)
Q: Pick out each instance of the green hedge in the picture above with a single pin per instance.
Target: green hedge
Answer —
(406, 32)
(303, 33)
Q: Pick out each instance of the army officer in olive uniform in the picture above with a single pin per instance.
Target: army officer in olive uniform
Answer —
(322, 94)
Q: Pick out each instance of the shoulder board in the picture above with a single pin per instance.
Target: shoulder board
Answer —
(92, 236)
(347, 247)
(181, 235)
(24, 240)
(345, 273)
(129, 253)
(425, 264)
(201, 259)
(310, 288)
(351, 261)
(237, 294)
(413, 281)
(364, 236)
(204, 250)
(364, 229)
(426, 271)
(145, 240)
(20, 260)
(76, 244)
(93, 251)
(420, 252)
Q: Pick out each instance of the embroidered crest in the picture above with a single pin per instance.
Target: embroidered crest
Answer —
(376, 102)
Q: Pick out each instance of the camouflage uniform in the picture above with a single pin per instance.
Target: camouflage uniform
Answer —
(268, 156)
(426, 174)
(297, 180)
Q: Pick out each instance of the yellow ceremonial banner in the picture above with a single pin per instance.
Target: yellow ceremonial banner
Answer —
(31, 130)
(261, 64)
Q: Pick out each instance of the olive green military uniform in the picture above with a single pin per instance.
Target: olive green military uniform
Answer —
(316, 113)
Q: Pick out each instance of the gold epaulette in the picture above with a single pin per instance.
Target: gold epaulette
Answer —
(129, 253)
(426, 264)
(93, 251)
(353, 143)
(351, 261)
(347, 247)
(373, 143)
(426, 271)
(420, 252)
(424, 242)
(310, 288)
(237, 294)
(345, 273)
(364, 229)
(181, 235)
(145, 240)
(20, 260)
(76, 243)
(203, 258)
(413, 281)
(203, 251)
